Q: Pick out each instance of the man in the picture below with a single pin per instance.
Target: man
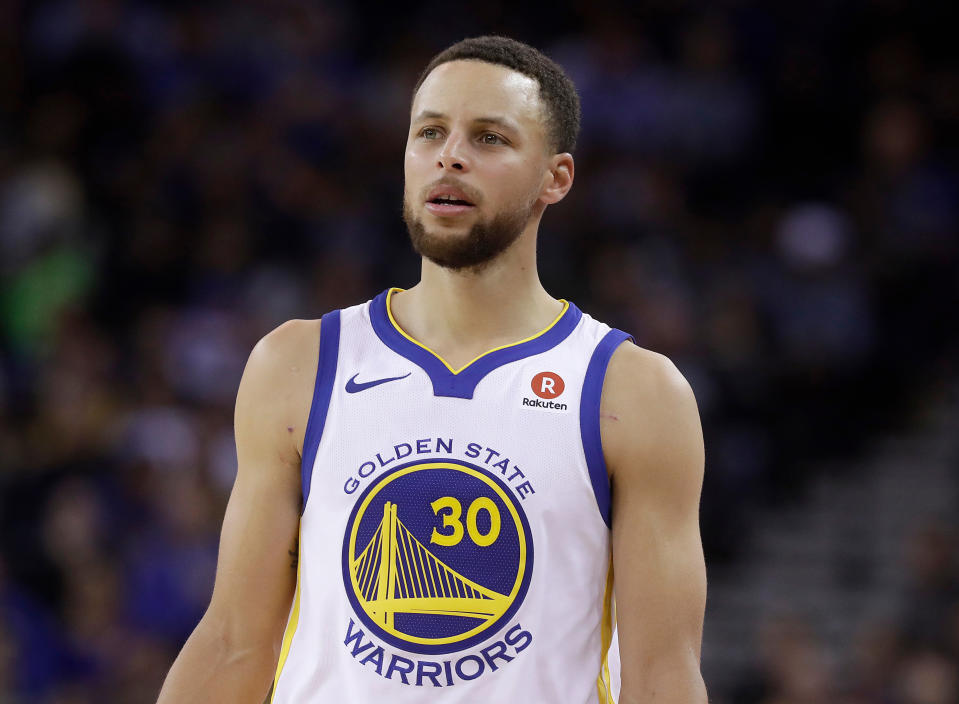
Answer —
(452, 467)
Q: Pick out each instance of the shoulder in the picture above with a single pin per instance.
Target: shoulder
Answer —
(277, 386)
(649, 418)
(637, 376)
(292, 342)
(284, 357)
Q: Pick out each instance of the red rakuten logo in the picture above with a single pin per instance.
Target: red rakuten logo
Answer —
(548, 385)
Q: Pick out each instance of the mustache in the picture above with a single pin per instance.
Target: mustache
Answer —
(472, 195)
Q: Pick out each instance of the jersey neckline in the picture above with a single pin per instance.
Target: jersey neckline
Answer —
(460, 383)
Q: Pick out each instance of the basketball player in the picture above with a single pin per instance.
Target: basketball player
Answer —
(436, 487)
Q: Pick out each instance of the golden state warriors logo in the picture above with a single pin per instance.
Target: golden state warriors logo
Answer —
(437, 556)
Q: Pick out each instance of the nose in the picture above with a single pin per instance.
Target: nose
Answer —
(453, 154)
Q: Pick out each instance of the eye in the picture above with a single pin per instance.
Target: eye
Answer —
(429, 133)
(492, 138)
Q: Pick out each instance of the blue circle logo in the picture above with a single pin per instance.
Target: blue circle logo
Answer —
(437, 556)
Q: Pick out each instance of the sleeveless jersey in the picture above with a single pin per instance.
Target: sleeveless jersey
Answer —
(454, 542)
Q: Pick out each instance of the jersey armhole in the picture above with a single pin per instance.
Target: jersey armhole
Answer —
(589, 418)
(322, 391)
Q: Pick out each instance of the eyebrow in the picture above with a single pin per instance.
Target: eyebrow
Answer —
(487, 120)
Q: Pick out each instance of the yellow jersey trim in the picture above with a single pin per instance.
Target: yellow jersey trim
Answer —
(603, 680)
(401, 331)
(290, 628)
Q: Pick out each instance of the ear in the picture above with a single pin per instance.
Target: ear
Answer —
(559, 179)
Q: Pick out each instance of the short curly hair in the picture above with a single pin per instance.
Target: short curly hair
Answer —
(556, 90)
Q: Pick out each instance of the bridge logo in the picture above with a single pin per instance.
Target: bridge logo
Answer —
(437, 556)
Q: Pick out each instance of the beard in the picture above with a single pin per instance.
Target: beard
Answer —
(485, 241)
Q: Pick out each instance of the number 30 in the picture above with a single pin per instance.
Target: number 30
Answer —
(452, 520)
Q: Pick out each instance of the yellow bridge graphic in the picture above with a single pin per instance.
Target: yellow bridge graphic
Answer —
(396, 573)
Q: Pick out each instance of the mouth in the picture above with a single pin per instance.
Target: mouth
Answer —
(447, 201)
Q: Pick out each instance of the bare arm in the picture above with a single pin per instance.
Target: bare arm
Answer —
(232, 653)
(653, 444)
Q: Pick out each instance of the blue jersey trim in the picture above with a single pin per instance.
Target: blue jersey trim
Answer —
(462, 383)
(589, 418)
(322, 391)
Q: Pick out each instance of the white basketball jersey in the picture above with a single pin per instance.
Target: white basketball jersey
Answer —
(454, 541)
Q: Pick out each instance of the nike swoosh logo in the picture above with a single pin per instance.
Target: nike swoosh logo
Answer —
(352, 386)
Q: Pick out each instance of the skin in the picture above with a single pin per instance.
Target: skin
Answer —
(651, 433)
(653, 444)
(232, 654)
(461, 314)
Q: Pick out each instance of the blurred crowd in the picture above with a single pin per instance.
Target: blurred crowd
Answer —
(766, 192)
(911, 658)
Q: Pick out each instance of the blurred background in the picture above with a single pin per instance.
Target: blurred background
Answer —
(766, 192)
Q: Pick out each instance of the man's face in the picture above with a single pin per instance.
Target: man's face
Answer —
(476, 158)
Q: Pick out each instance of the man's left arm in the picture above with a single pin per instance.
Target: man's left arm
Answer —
(653, 443)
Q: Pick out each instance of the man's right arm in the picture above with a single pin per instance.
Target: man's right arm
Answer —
(232, 654)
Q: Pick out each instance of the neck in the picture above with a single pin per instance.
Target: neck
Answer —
(465, 313)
